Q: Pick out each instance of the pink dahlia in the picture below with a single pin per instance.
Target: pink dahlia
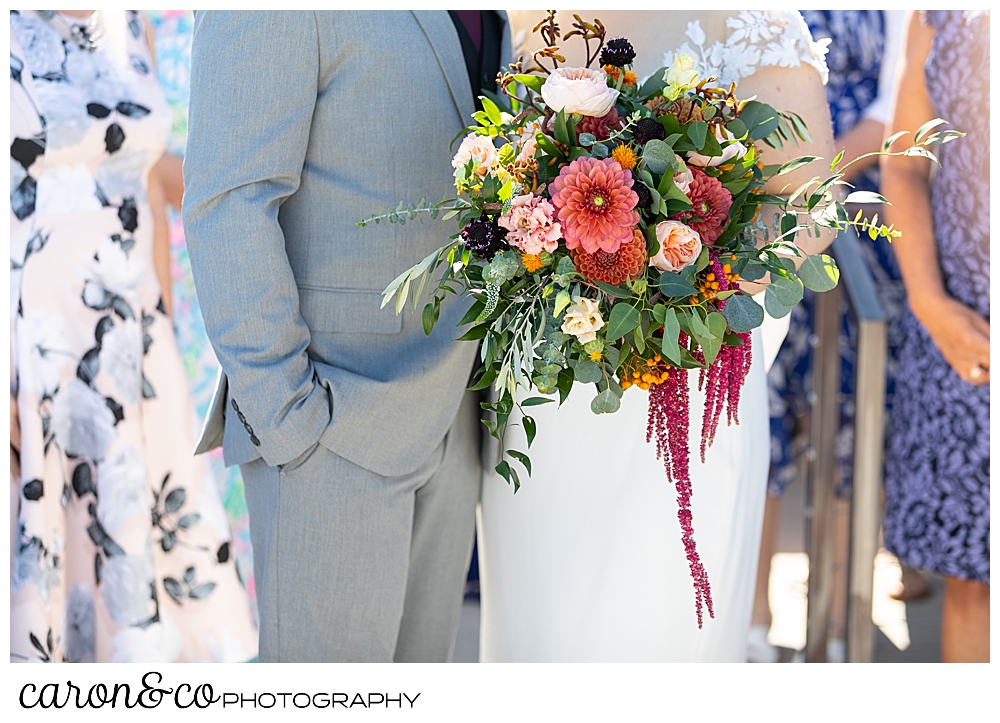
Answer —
(531, 225)
(710, 203)
(595, 204)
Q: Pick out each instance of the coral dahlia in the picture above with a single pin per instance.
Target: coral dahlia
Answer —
(710, 203)
(595, 204)
(625, 263)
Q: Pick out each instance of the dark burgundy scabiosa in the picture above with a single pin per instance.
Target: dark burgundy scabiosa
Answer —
(710, 203)
(648, 129)
(484, 237)
(645, 197)
(617, 52)
(668, 426)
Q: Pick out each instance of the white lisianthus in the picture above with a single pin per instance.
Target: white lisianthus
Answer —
(680, 77)
(579, 90)
(583, 319)
(733, 152)
(480, 149)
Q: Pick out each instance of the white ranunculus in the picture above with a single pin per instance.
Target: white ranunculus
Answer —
(65, 188)
(79, 636)
(126, 587)
(122, 490)
(82, 423)
(734, 151)
(114, 270)
(583, 319)
(43, 350)
(478, 148)
(579, 90)
(121, 359)
(680, 77)
(160, 642)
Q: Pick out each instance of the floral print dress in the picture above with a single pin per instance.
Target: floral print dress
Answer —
(122, 550)
(937, 481)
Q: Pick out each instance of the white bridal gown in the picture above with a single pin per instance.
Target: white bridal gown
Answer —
(585, 562)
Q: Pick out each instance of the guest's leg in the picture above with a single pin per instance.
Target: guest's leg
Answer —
(443, 532)
(965, 622)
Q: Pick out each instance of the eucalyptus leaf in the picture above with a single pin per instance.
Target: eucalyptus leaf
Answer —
(586, 371)
(605, 403)
(672, 284)
(587, 139)
(671, 333)
(819, 272)
(743, 313)
(624, 318)
(773, 305)
(659, 157)
(787, 289)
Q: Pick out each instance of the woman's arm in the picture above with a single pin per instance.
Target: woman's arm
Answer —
(161, 237)
(797, 90)
(961, 334)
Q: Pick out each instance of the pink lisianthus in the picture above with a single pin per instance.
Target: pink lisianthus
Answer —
(595, 203)
(531, 225)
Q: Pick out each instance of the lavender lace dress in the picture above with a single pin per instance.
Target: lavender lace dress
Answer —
(937, 514)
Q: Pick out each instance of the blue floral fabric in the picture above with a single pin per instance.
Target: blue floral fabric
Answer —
(937, 483)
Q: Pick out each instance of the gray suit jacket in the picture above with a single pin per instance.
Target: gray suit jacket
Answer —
(300, 124)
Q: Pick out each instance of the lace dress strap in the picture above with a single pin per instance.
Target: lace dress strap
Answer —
(756, 38)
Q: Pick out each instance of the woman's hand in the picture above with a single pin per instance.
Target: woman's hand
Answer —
(961, 335)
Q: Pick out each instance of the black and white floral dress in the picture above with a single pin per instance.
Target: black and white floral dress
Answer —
(122, 546)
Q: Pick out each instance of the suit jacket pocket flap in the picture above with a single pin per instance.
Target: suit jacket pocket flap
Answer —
(347, 311)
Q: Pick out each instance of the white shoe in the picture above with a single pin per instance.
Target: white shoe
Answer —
(758, 649)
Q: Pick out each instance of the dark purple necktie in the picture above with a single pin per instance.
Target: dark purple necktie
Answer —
(473, 22)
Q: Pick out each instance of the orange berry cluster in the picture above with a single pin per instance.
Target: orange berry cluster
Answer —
(644, 372)
(708, 285)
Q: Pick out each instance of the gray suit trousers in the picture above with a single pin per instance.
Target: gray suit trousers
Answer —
(352, 566)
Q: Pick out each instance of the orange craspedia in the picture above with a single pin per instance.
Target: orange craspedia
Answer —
(627, 262)
(532, 262)
(625, 156)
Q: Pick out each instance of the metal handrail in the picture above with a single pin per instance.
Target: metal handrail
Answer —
(869, 420)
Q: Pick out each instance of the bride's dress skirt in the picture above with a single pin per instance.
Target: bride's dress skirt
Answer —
(585, 562)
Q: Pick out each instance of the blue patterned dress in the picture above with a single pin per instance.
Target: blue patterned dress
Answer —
(937, 485)
(174, 30)
(855, 57)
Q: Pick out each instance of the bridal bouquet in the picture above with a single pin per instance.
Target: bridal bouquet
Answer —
(604, 226)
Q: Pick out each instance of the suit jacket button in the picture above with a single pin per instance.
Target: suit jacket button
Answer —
(253, 440)
(239, 416)
(236, 407)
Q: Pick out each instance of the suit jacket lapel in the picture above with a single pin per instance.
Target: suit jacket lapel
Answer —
(441, 34)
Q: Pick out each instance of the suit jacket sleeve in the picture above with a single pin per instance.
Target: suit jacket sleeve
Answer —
(254, 79)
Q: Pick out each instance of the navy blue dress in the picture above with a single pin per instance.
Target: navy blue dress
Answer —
(937, 484)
